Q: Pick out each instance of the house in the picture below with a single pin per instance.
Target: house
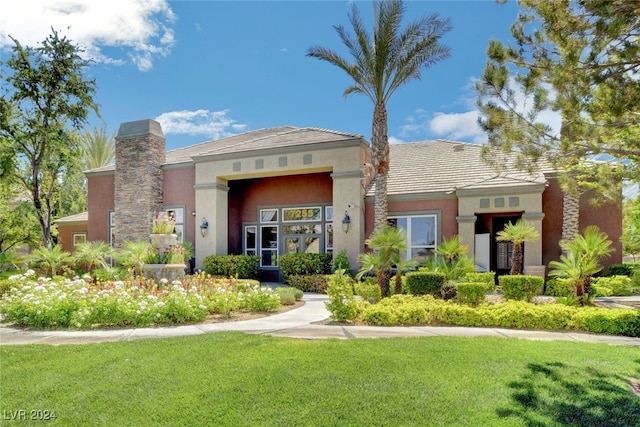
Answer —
(287, 189)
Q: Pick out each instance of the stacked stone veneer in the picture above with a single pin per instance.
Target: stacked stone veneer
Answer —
(140, 154)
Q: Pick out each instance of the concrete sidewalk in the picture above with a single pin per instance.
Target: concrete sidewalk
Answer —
(298, 323)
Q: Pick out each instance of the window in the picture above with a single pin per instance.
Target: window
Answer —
(112, 227)
(79, 238)
(328, 229)
(421, 234)
(177, 214)
(250, 240)
(269, 246)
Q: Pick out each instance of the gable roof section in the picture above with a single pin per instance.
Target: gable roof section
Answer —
(262, 139)
(442, 166)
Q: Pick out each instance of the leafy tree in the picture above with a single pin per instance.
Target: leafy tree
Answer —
(631, 227)
(518, 233)
(581, 260)
(386, 242)
(18, 224)
(46, 97)
(580, 60)
(382, 62)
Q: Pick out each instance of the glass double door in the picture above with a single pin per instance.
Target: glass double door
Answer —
(305, 238)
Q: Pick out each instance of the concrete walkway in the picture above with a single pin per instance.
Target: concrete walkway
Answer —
(298, 323)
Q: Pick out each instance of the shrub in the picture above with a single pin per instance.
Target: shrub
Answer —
(520, 287)
(288, 296)
(368, 290)
(304, 264)
(618, 285)
(316, 283)
(341, 261)
(240, 266)
(624, 269)
(449, 290)
(559, 287)
(488, 277)
(472, 293)
(342, 303)
(424, 282)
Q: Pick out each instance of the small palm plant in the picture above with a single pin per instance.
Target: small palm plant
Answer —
(450, 258)
(49, 260)
(134, 255)
(581, 259)
(386, 243)
(518, 233)
(93, 255)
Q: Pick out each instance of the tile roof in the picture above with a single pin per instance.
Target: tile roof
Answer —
(80, 217)
(262, 139)
(442, 166)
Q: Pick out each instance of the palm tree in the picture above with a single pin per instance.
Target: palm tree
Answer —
(134, 255)
(93, 255)
(518, 233)
(49, 260)
(98, 148)
(582, 259)
(387, 242)
(383, 62)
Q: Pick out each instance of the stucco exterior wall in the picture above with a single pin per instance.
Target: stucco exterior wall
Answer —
(66, 232)
(100, 199)
(247, 196)
(178, 190)
(341, 161)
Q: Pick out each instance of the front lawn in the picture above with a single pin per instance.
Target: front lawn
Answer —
(232, 379)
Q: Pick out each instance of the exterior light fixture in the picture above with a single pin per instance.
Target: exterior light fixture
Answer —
(346, 221)
(203, 227)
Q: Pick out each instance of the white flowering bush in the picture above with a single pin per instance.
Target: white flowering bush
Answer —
(81, 303)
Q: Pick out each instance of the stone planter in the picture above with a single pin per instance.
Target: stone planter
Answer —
(163, 271)
(163, 240)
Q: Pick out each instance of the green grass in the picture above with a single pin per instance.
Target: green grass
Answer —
(234, 379)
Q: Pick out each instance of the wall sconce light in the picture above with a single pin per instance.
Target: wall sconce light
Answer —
(203, 227)
(346, 221)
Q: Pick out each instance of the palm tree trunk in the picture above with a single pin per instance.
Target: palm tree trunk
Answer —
(570, 216)
(384, 276)
(380, 159)
(516, 260)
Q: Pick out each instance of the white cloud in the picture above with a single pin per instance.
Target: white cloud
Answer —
(393, 140)
(141, 28)
(463, 126)
(210, 124)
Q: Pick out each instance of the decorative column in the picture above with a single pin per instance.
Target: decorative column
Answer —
(212, 206)
(467, 232)
(140, 154)
(533, 250)
(348, 198)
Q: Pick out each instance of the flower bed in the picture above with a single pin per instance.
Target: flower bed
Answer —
(80, 303)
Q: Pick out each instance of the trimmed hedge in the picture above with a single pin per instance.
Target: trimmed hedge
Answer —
(488, 277)
(624, 269)
(472, 293)
(303, 264)
(521, 287)
(426, 310)
(316, 283)
(559, 287)
(612, 285)
(238, 266)
(424, 282)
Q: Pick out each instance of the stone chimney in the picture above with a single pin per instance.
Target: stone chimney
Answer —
(140, 154)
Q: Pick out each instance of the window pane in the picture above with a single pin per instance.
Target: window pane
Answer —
(269, 258)
(423, 231)
(312, 245)
(268, 215)
(302, 214)
(329, 237)
(250, 238)
(329, 213)
(269, 237)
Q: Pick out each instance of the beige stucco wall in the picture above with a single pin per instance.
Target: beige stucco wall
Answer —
(343, 160)
(526, 199)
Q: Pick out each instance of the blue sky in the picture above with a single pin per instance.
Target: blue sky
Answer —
(208, 69)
